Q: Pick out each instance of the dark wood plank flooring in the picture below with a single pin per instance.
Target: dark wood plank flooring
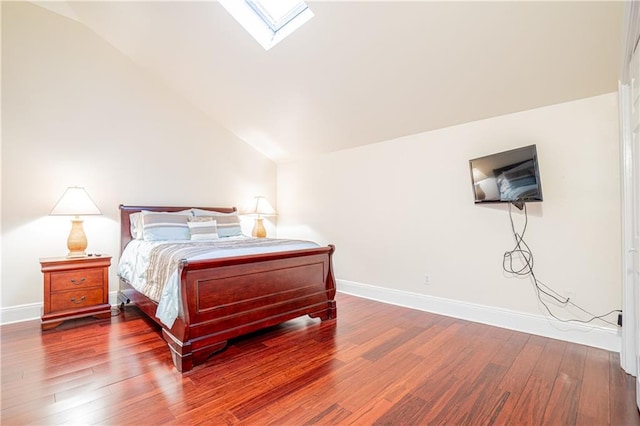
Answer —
(377, 364)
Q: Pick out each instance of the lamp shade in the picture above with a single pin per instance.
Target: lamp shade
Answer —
(75, 202)
(260, 207)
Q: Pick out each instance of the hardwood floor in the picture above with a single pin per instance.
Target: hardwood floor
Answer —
(377, 364)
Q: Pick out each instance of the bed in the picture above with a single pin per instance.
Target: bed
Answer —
(226, 297)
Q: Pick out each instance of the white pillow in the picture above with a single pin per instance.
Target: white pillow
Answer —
(203, 228)
(137, 225)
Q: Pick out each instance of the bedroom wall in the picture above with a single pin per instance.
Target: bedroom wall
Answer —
(403, 208)
(75, 111)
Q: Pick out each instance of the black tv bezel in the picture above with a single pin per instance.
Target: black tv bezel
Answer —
(519, 203)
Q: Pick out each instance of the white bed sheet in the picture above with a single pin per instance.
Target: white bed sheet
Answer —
(134, 261)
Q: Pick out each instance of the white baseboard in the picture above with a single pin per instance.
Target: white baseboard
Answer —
(590, 335)
(33, 311)
(20, 313)
(599, 337)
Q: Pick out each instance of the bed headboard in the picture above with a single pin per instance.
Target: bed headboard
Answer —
(125, 221)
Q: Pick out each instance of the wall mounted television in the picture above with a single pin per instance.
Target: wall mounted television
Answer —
(507, 177)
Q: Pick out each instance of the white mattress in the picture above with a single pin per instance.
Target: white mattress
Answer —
(134, 263)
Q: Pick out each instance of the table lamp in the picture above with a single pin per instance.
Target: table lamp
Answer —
(260, 207)
(75, 202)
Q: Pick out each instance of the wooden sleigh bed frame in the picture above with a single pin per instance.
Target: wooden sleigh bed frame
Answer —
(229, 297)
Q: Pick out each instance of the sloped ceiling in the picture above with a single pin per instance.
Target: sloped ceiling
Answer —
(367, 71)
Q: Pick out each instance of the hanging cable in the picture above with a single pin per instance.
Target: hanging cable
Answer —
(522, 251)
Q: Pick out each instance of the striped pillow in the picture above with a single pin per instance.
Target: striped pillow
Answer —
(228, 223)
(203, 228)
(159, 226)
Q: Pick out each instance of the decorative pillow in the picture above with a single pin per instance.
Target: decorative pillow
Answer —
(228, 223)
(137, 224)
(158, 226)
(203, 228)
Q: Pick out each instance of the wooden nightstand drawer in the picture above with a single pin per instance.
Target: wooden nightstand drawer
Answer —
(81, 278)
(76, 299)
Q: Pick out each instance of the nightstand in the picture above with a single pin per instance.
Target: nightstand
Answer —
(75, 288)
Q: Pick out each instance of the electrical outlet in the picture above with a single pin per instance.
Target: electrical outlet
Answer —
(427, 279)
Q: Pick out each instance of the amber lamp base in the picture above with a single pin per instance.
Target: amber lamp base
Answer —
(258, 229)
(77, 241)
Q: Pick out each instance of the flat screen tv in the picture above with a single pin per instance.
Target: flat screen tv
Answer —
(507, 177)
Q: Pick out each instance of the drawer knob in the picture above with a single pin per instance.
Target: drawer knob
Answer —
(76, 282)
(82, 299)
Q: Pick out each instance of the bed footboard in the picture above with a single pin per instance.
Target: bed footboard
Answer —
(230, 297)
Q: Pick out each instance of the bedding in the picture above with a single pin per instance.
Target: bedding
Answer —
(153, 267)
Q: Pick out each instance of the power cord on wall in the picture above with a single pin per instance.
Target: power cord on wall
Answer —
(524, 253)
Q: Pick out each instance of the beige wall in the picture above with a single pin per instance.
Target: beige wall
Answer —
(75, 111)
(400, 209)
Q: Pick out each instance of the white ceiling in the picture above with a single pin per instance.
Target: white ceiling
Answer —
(367, 71)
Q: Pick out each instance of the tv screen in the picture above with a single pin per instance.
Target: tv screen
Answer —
(507, 177)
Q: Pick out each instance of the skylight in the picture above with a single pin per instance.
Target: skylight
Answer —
(269, 21)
